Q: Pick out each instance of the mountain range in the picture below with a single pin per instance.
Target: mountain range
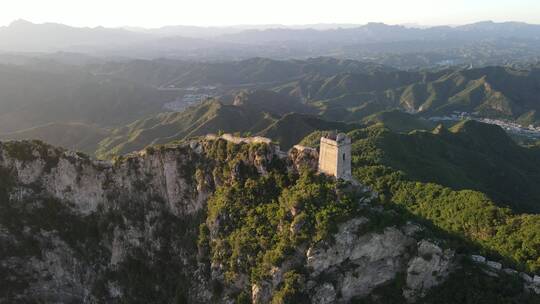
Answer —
(479, 43)
(495, 92)
(120, 106)
(263, 113)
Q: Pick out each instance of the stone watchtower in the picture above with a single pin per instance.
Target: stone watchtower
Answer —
(335, 156)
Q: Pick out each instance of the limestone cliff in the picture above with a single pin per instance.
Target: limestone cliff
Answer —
(77, 230)
(356, 263)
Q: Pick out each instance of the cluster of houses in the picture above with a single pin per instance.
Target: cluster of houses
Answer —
(186, 101)
(509, 126)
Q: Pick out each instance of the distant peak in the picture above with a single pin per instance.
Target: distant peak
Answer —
(377, 24)
(20, 22)
(485, 22)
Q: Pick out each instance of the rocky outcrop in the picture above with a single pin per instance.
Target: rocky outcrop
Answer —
(429, 268)
(261, 293)
(165, 175)
(359, 259)
(325, 294)
(359, 262)
(304, 157)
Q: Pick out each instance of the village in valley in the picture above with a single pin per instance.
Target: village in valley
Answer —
(531, 131)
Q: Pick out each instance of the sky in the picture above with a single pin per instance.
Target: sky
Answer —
(156, 13)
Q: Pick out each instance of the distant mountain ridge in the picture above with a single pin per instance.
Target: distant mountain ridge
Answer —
(380, 32)
(255, 112)
(264, 113)
(257, 70)
(484, 41)
(25, 36)
(75, 136)
(496, 92)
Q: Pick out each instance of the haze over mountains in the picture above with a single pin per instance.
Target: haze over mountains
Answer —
(478, 43)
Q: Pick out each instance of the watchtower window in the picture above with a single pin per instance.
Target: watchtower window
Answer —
(343, 156)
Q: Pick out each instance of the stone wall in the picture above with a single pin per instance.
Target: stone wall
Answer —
(239, 139)
(531, 282)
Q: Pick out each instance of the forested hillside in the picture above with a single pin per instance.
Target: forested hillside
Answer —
(495, 92)
(178, 73)
(470, 155)
(473, 191)
(264, 113)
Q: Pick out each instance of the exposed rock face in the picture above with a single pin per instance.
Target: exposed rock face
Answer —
(351, 245)
(67, 177)
(431, 267)
(360, 262)
(261, 293)
(59, 274)
(325, 294)
(84, 227)
(304, 157)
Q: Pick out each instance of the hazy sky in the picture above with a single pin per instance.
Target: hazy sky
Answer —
(155, 13)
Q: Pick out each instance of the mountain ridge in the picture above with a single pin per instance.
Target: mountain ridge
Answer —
(373, 40)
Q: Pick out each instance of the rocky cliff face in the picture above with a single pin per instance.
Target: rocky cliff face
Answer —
(166, 175)
(73, 230)
(356, 263)
(78, 230)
